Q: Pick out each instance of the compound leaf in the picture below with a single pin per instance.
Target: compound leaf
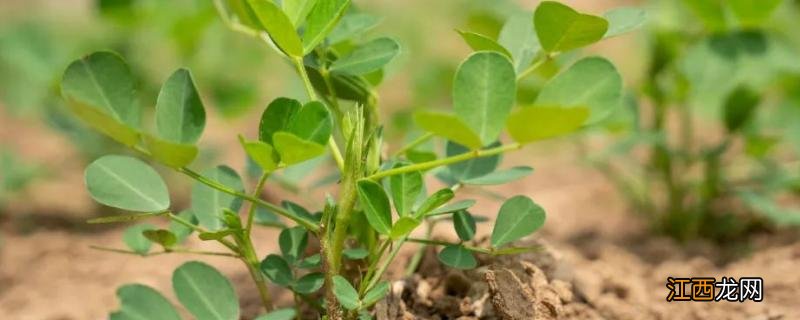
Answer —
(519, 216)
(126, 183)
(180, 116)
(205, 292)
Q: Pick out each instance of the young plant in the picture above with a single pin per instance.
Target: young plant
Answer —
(728, 74)
(381, 200)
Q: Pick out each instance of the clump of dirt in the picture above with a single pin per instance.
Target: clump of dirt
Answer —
(609, 281)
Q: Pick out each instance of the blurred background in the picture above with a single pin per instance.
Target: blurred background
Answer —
(688, 78)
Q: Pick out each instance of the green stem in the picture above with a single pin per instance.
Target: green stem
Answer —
(198, 229)
(256, 193)
(417, 258)
(445, 243)
(171, 250)
(533, 67)
(310, 225)
(446, 161)
(385, 265)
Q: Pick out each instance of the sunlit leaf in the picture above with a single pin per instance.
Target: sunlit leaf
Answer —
(321, 21)
(592, 83)
(561, 28)
(403, 227)
(436, 200)
(126, 183)
(297, 10)
(447, 126)
(261, 153)
(531, 124)
(710, 12)
(180, 116)
(753, 12)
(278, 25)
(519, 216)
(171, 154)
(484, 90)
(163, 237)
(623, 20)
(368, 57)
(294, 149)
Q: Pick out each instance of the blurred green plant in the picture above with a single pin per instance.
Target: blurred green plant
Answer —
(723, 66)
(381, 201)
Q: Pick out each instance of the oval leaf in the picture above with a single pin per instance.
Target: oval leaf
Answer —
(313, 122)
(561, 28)
(479, 42)
(376, 206)
(205, 292)
(449, 127)
(464, 225)
(403, 227)
(135, 240)
(592, 83)
(484, 91)
(293, 242)
(519, 37)
(297, 10)
(208, 203)
(352, 25)
(518, 217)
(309, 283)
(180, 116)
(279, 27)
(294, 149)
(280, 314)
(376, 293)
(142, 302)
(531, 124)
(472, 168)
(277, 270)
(368, 57)
(436, 200)
(345, 293)
(405, 188)
(126, 183)
(163, 237)
(276, 117)
(321, 21)
(456, 256)
(453, 207)
(172, 154)
(623, 19)
(261, 153)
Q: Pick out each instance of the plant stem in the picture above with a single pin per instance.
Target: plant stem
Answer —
(445, 161)
(198, 229)
(256, 193)
(385, 265)
(533, 67)
(445, 243)
(417, 258)
(172, 250)
(418, 141)
(310, 225)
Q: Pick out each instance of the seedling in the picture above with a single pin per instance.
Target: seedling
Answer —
(381, 201)
(727, 75)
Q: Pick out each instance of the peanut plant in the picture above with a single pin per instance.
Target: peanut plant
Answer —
(727, 69)
(381, 204)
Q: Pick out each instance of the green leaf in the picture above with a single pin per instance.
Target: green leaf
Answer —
(368, 57)
(277, 24)
(739, 108)
(309, 283)
(436, 200)
(592, 83)
(242, 12)
(280, 314)
(231, 219)
(531, 124)
(135, 239)
(484, 91)
(710, 12)
(181, 231)
(472, 168)
(355, 253)
(345, 293)
(293, 242)
(294, 149)
(375, 294)
(623, 20)
(142, 302)
(453, 207)
(297, 10)
(449, 127)
(518, 217)
(561, 28)
(501, 177)
(277, 270)
(456, 256)
(104, 123)
(163, 237)
(321, 21)
(261, 153)
(479, 42)
(205, 292)
(276, 117)
(103, 81)
(753, 12)
(403, 227)
(208, 203)
(376, 206)
(464, 225)
(405, 188)
(519, 37)
(313, 122)
(171, 154)
(346, 87)
(216, 235)
(311, 262)
(126, 183)
(267, 218)
(352, 25)
(180, 116)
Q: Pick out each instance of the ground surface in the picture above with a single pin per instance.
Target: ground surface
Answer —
(596, 263)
